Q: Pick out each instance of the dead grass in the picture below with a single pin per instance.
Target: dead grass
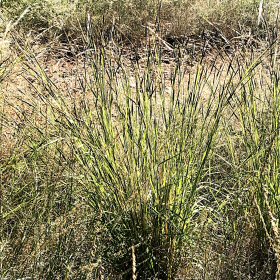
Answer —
(129, 21)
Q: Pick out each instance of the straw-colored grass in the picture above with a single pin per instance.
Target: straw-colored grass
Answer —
(130, 20)
(157, 159)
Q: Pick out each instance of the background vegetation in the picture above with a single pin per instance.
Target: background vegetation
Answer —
(132, 19)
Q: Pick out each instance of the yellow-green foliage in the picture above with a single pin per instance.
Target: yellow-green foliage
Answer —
(183, 169)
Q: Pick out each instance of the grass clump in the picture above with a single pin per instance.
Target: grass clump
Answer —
(138, 175)
(144, 167)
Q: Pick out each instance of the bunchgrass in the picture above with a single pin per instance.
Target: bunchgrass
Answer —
(141, 175)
